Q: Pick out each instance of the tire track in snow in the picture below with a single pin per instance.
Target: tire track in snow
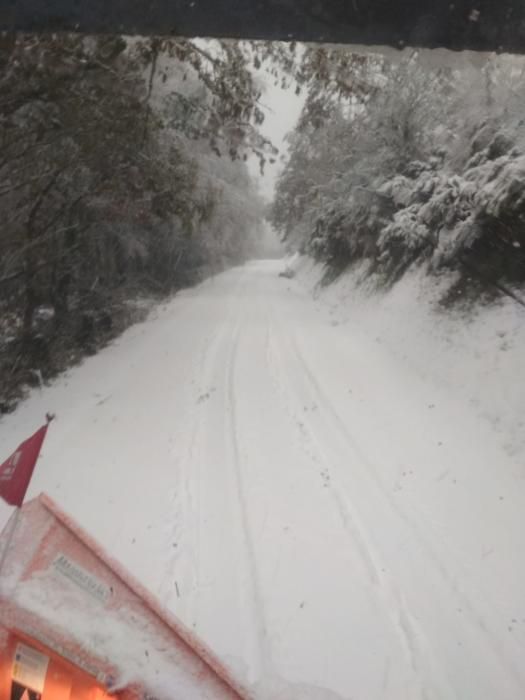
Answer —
(406, 621)
(184, 531)
(476, 618)
(216, 365)
(186, 524)
(403, 624)
(256, 635)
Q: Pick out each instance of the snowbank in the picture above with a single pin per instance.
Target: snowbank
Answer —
(476, 355)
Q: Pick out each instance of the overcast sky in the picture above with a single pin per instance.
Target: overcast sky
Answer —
(281, 109)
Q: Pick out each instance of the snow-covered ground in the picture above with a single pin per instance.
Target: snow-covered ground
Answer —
(328, 486)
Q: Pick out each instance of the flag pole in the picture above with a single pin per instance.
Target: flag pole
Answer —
(13, 520)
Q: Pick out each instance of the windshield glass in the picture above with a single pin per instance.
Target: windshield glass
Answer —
(261, 348)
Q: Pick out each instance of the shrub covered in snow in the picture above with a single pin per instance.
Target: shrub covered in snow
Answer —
(430, 169)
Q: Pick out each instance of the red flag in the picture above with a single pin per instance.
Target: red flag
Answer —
(16, 472)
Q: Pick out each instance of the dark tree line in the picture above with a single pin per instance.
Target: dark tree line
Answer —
(111, 187)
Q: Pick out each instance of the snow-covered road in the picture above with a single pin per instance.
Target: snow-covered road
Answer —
(316, 511)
